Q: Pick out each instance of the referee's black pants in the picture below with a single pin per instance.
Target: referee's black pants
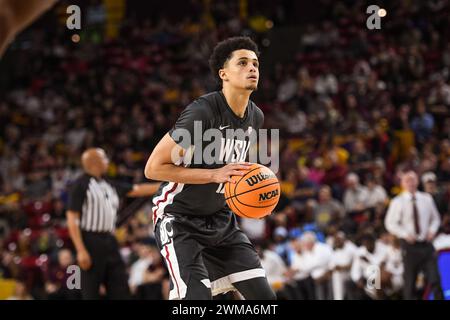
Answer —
(417, 257)
(107, 268)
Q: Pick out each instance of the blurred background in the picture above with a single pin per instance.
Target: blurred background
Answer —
(354, 107)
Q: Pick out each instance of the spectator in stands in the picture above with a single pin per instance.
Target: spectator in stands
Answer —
(364, 273)
(327, 210)
(20, 292)
(292, 120)
(336, 170)
(56, 285)
(377, 198)
(8, 269)
(313, 260)
(300, 285)
(429, 160)
(376, 194)
(317, 172)
(444, 162)
(46, 243)
(355, 196)
(281, 244)
(360, 160)
(255, 229)
(355, 199)
(148, 276)
(440, 94)
(391, 270)
(340, 264)
(275, 269)
(305, 189)
(423, 123)
(429, 182)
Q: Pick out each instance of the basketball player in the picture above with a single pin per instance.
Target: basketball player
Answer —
(15, 15)
(205, 251)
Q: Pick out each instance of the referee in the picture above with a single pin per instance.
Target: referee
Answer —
(412, 217)
(91, 218)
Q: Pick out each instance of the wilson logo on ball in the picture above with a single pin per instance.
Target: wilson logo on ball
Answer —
(255, 194)
(268, 195)
(258, 178)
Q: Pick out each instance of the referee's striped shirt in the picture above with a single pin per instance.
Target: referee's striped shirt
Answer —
(97, 201)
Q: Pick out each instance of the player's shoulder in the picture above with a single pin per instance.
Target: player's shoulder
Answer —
(210, 99)
(204, 104)
(252, 105)
(255, 108)
(258, 114)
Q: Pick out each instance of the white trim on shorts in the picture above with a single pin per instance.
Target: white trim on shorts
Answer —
(179, 286)
(225, 284)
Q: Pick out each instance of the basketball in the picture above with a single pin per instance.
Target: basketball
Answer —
(255, 194)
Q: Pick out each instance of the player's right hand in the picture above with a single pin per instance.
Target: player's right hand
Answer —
(84, 259)
(225, 173)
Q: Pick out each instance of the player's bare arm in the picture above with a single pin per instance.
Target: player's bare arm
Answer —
(161, 166)
(15, 15)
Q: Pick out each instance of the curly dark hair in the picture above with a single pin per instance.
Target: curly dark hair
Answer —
(223, 51)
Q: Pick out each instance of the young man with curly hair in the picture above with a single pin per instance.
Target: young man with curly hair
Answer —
(205, 251)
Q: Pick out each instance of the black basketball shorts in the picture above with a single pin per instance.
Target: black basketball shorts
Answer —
(205, 255)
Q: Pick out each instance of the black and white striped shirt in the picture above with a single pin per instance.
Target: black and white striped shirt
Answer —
(97, 201)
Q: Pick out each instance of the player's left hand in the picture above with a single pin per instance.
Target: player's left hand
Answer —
(225, 173)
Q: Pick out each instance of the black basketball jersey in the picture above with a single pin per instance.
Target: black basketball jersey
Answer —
(210, 111)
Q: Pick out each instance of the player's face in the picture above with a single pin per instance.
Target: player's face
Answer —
(241, 70)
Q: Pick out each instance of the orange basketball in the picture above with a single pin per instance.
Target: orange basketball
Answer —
(255, 194)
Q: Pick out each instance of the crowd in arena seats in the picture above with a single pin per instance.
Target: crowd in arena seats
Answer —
(355, 108)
